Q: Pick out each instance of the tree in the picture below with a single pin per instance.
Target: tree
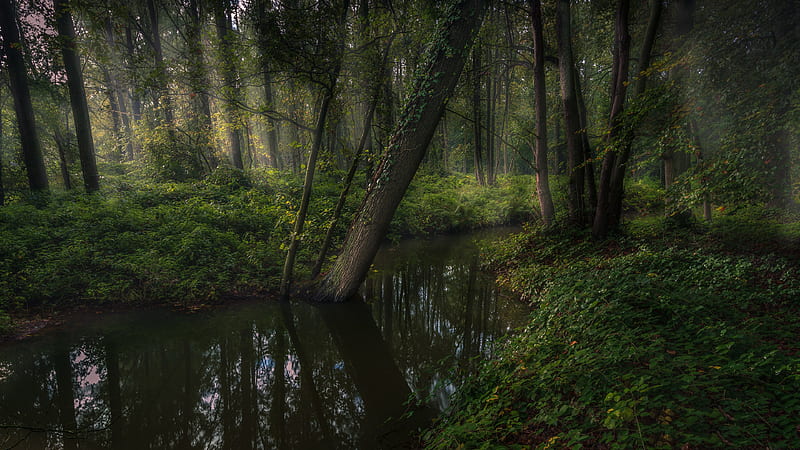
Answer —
(77, 96)
(432, 88)
(230, 79)
(18, 79)
(568, 83)
(540, 152)
(329, 81)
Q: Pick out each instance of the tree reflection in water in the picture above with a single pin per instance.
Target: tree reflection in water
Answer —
(261, 375)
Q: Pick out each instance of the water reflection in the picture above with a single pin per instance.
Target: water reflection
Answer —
(260, 375)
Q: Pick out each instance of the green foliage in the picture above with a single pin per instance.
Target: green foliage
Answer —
(637, 345)
(439, 204)
(197, 242)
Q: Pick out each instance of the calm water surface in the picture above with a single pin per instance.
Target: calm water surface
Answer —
(262, 375)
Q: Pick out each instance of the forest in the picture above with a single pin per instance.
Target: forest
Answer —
(192, 154)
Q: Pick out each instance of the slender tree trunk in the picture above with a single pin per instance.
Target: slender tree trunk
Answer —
(586, 147)
(345, 191)
(294, 239)
(603, 220)
(575, 156)
(230, 80)
(18, 79)
(62, 145)
(118, 104)
(163, 99)
(405, 151)
(612, 176)
(2, 152)
(477, 126)
(491, 87)
(77, 96)
(202, 124)
(540, 97)
(136, 103)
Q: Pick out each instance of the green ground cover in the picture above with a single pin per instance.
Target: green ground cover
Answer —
(658, 339)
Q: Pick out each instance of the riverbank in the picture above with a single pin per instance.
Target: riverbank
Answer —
(661, 339)
(188, 245)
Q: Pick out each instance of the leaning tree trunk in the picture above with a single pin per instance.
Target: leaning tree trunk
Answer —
(77, 95)
(18, 79)
(405, 151)
(540, 152)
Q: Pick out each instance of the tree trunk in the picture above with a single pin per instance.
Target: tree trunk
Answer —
(136, 103)
(604, 217)
(230, 81)
(163, 100)
(575, 157)
(18, 79)
(2, 186)
(62, 146)
(491, 87)
(476, 116)
(620, 169)
(540, 96)
(294, 239)
(202, 124)
(77, 95)
(405, 151)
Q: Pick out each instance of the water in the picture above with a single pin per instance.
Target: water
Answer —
(262, 375)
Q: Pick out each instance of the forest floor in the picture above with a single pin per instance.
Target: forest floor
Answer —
(658, 338)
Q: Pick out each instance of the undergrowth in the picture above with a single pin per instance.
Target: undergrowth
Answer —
(195, 242)
(671, 342)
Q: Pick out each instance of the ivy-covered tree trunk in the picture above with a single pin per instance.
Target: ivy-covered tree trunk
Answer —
(18, 79)
(540, 97)
(421, 114)
(77, 95)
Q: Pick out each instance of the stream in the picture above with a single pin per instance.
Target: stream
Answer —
(263, 374)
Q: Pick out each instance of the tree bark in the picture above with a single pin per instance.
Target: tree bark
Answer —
(575, 157)
(77, 95)
(405, 151)
(18, 79)
(540, 97)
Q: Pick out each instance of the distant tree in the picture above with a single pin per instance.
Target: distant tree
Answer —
(23, 106)
(227, 38)
(77, 95)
